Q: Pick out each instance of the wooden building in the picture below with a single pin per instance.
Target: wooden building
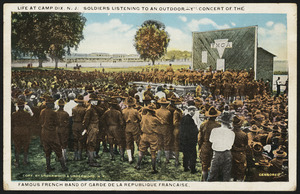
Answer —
(234, 48)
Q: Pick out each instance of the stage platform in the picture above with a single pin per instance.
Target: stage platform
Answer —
(180, 90)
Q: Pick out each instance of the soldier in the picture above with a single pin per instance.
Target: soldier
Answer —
(91, 128)
(114, 124)
(238, 151)
(132, 131)
(177, 115)
(62, 129)
(78, 113)
(165, 129)
(49, 123)
(170, 73)
(20, 126)
(148, 92)
(149, 137)
(203, 140)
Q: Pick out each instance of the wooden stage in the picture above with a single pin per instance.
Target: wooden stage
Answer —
(180, 90)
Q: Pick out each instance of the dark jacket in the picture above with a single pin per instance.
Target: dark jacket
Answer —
(188, 132)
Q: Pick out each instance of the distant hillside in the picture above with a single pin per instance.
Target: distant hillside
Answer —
(281, 66)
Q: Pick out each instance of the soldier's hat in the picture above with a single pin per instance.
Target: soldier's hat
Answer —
(254, 129)
(237, 121)
(163, 101)
(173, 98)
(279, 153)
(151, 107)
(124, 95)
(212, 112)
(21, 102)
(171, 87)
(156, 98)
(113, 101)
(147, 98)
(275, 128)
(27, 92)
(149, 87)
(257, 147)
(130, 101)
(61, 102)
(263, 162)
(79, 98)
(49, 100)
(178, 102)
(93, 96)
(89, 89)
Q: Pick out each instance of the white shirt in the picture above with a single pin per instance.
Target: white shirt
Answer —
(222, 138)
(160, 94)
(140, 94)
(69, 106)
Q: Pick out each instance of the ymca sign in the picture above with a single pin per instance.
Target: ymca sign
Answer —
(220, 45)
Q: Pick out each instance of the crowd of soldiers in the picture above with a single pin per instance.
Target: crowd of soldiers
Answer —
(79, 112)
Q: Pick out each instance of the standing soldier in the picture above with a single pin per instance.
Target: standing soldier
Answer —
(177, 115)
(49, 123)
(165, 129)
(203, 139)
(78, 113)
(20, 125)
(238, 151)
(91, 128)
(149, 138)
(114, 124)
(62, 129)
(132, 131)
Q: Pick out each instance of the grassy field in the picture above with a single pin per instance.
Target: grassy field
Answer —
(86, 69)
(109, 170)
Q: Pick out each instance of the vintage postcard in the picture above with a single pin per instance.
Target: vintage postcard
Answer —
(150, 97)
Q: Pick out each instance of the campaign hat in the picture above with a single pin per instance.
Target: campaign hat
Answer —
(61, 102)
(151, 107)
(212, 112)
(49, 100)
(21, 102)
(237, 120)
(113, 101)
(27, 92)
(79, 98)
(254, 129)
(147, 98)
(257, 146)
(279, 153)
(130, 101)
(163, 101)
(173, 98)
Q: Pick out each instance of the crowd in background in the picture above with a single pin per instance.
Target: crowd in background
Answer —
(84, 111)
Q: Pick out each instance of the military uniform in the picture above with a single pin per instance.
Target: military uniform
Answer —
(165, 129)
(132, 119)
(63, 127)
(20, 125)
(238, 151)
(78, 113)
(49, 122)
(114, 123)
(203, 140)
(149, 138)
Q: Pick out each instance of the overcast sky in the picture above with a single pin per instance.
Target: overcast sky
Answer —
(114, 33)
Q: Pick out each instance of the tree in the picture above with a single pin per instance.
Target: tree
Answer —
(39, 34)
(29, 34)
(66, 32)
(151, 40)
